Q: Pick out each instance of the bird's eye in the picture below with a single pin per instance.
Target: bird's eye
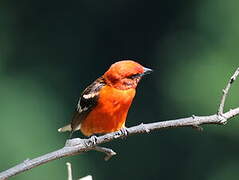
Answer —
(134, 76)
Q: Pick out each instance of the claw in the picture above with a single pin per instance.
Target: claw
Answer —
(124, 131)
(121, 133)
(92, 141)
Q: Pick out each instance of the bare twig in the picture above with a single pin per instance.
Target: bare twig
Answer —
(69, 171)
(109, 152)
(226, 90)
(77, 145)
(89, 177)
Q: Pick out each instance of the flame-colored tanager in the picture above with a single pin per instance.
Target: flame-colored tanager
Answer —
(104, 105)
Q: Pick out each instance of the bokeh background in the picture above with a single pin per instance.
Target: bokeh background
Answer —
(51, 50)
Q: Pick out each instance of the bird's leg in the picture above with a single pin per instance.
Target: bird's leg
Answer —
(71, 133)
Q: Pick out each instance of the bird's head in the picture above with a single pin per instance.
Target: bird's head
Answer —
(125, 74)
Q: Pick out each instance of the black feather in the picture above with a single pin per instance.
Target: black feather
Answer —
(85, 105)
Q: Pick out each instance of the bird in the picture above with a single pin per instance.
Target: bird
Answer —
(103, 106)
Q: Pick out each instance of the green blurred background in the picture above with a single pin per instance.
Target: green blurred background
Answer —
(51, 50)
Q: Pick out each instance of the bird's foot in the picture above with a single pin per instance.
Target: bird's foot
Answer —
(92, 141)
(124, 131)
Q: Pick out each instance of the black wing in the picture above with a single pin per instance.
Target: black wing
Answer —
(86, 103)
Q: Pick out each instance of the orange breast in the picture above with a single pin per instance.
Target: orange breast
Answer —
(110, 113)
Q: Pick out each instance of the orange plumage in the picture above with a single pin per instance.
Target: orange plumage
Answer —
(110, 113)
(104, 105)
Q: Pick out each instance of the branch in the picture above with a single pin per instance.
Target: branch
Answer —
(69, 171)
(78, 146)
(109, 152)
(226, 90)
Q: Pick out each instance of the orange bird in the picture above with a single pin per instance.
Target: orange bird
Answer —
(104, 105)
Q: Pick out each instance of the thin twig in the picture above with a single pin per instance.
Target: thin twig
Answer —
(69, 171)
(226, 90)
(89, 177)
(109, 152)
(77, 145)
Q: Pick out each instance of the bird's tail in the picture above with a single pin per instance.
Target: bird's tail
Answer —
(65, 128)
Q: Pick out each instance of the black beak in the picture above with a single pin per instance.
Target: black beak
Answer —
(147, 71)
